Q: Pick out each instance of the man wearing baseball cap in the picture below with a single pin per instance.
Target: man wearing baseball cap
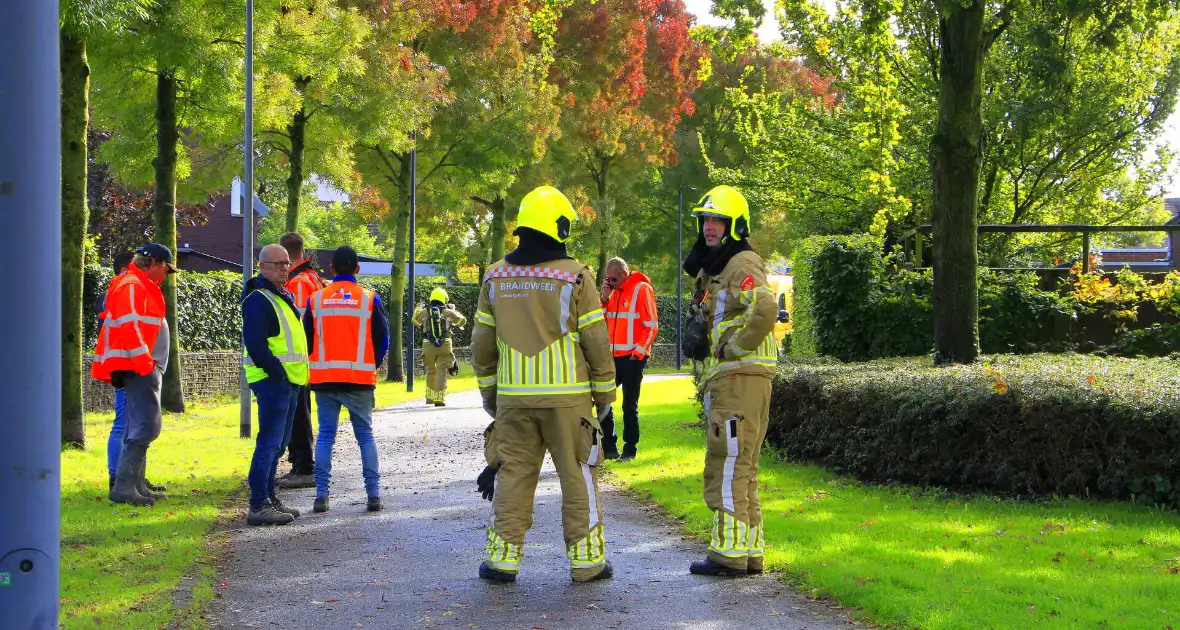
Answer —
(132, 353)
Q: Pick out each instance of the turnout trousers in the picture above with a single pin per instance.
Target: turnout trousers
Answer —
(737, 408)
(571, 435)
(438, 360)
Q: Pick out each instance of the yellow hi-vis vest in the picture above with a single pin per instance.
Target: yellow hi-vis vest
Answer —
(289, 346)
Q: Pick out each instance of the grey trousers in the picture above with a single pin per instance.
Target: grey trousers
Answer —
(144, 419)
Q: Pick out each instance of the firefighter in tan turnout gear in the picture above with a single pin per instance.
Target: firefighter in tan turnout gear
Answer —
(735, 313)
(438, 353)
(543, 360)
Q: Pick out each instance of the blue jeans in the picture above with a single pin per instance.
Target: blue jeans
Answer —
(118, 429)
(276, 416)
(360, 411)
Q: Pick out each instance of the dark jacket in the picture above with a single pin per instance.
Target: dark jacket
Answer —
(378, 330)
(260, 322)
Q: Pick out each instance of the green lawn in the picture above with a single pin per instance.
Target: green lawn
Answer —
(909, 557)
(120, 565)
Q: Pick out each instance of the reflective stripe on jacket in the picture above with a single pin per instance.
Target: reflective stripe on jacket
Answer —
(134, 313)
(631, 317)
(289, 346)
(343, 351)
(743, 310)
(540, 338)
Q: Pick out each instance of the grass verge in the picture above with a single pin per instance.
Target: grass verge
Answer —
(121, 566)
(910, 557)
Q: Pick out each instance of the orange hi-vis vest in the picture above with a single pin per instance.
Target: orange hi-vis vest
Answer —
(631, 317)
(131, 323)
(343, 351)
(302, 285)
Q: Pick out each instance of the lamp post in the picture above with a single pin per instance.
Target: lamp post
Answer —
(30, 240)
(680, 270)
(413, 258)
(247, 206)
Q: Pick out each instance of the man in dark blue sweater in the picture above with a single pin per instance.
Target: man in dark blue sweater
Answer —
(276, 368)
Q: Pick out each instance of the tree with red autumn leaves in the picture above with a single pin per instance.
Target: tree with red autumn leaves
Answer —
(626, 70)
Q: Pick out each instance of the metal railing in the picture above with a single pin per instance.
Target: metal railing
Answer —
(1059, 228)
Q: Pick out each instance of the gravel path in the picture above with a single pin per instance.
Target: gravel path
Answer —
(414, 564)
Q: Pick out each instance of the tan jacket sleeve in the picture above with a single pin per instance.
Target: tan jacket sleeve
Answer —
(485, 355)
(455, 317)
(419, 315)
(490, 446)
(749, 282)
(595, 339)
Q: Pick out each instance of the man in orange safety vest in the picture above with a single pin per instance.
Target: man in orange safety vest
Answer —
(632, 321)
(132, 354)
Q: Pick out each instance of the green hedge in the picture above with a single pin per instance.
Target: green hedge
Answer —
(853, 304)
(1032, 425)
(209, 316)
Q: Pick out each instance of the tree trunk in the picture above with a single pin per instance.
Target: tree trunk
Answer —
(603, 209)
(397, 274)
(164, 207)
(75, 118)
(499, 228)
(955, 158)
(296, 130)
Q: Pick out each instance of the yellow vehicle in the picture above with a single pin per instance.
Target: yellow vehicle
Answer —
(783, 287)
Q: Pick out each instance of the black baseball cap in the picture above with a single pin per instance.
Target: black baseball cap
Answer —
(344, 260)
(159, 253)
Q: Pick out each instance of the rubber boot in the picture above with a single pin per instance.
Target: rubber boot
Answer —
(494, 575)
(708, 566)
(141, 485)
(126, 475)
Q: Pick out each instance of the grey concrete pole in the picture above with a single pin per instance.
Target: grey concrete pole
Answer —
(413, 260)
(680, 271)
(30, 387)
(248, 202)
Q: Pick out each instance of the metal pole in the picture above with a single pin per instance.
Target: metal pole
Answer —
(248, 201)
(679, 272)
(1085, 252)
(30, 240)
(413, 258)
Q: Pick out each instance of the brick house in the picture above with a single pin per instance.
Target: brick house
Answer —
(217, 244)
(1154, 258)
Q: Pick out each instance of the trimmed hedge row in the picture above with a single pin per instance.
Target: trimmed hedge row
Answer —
(209, 318)
(1031, 425)
(854, 305)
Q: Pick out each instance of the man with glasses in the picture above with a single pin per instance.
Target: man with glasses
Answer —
(632, 321)
(276, 369)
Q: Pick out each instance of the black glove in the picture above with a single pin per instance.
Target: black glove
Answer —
(119, 377)
(454, 369)
(486, 482)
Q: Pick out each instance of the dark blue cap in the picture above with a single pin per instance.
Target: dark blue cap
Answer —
(158, 253)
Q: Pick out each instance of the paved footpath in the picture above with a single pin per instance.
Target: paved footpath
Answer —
(413, 565)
